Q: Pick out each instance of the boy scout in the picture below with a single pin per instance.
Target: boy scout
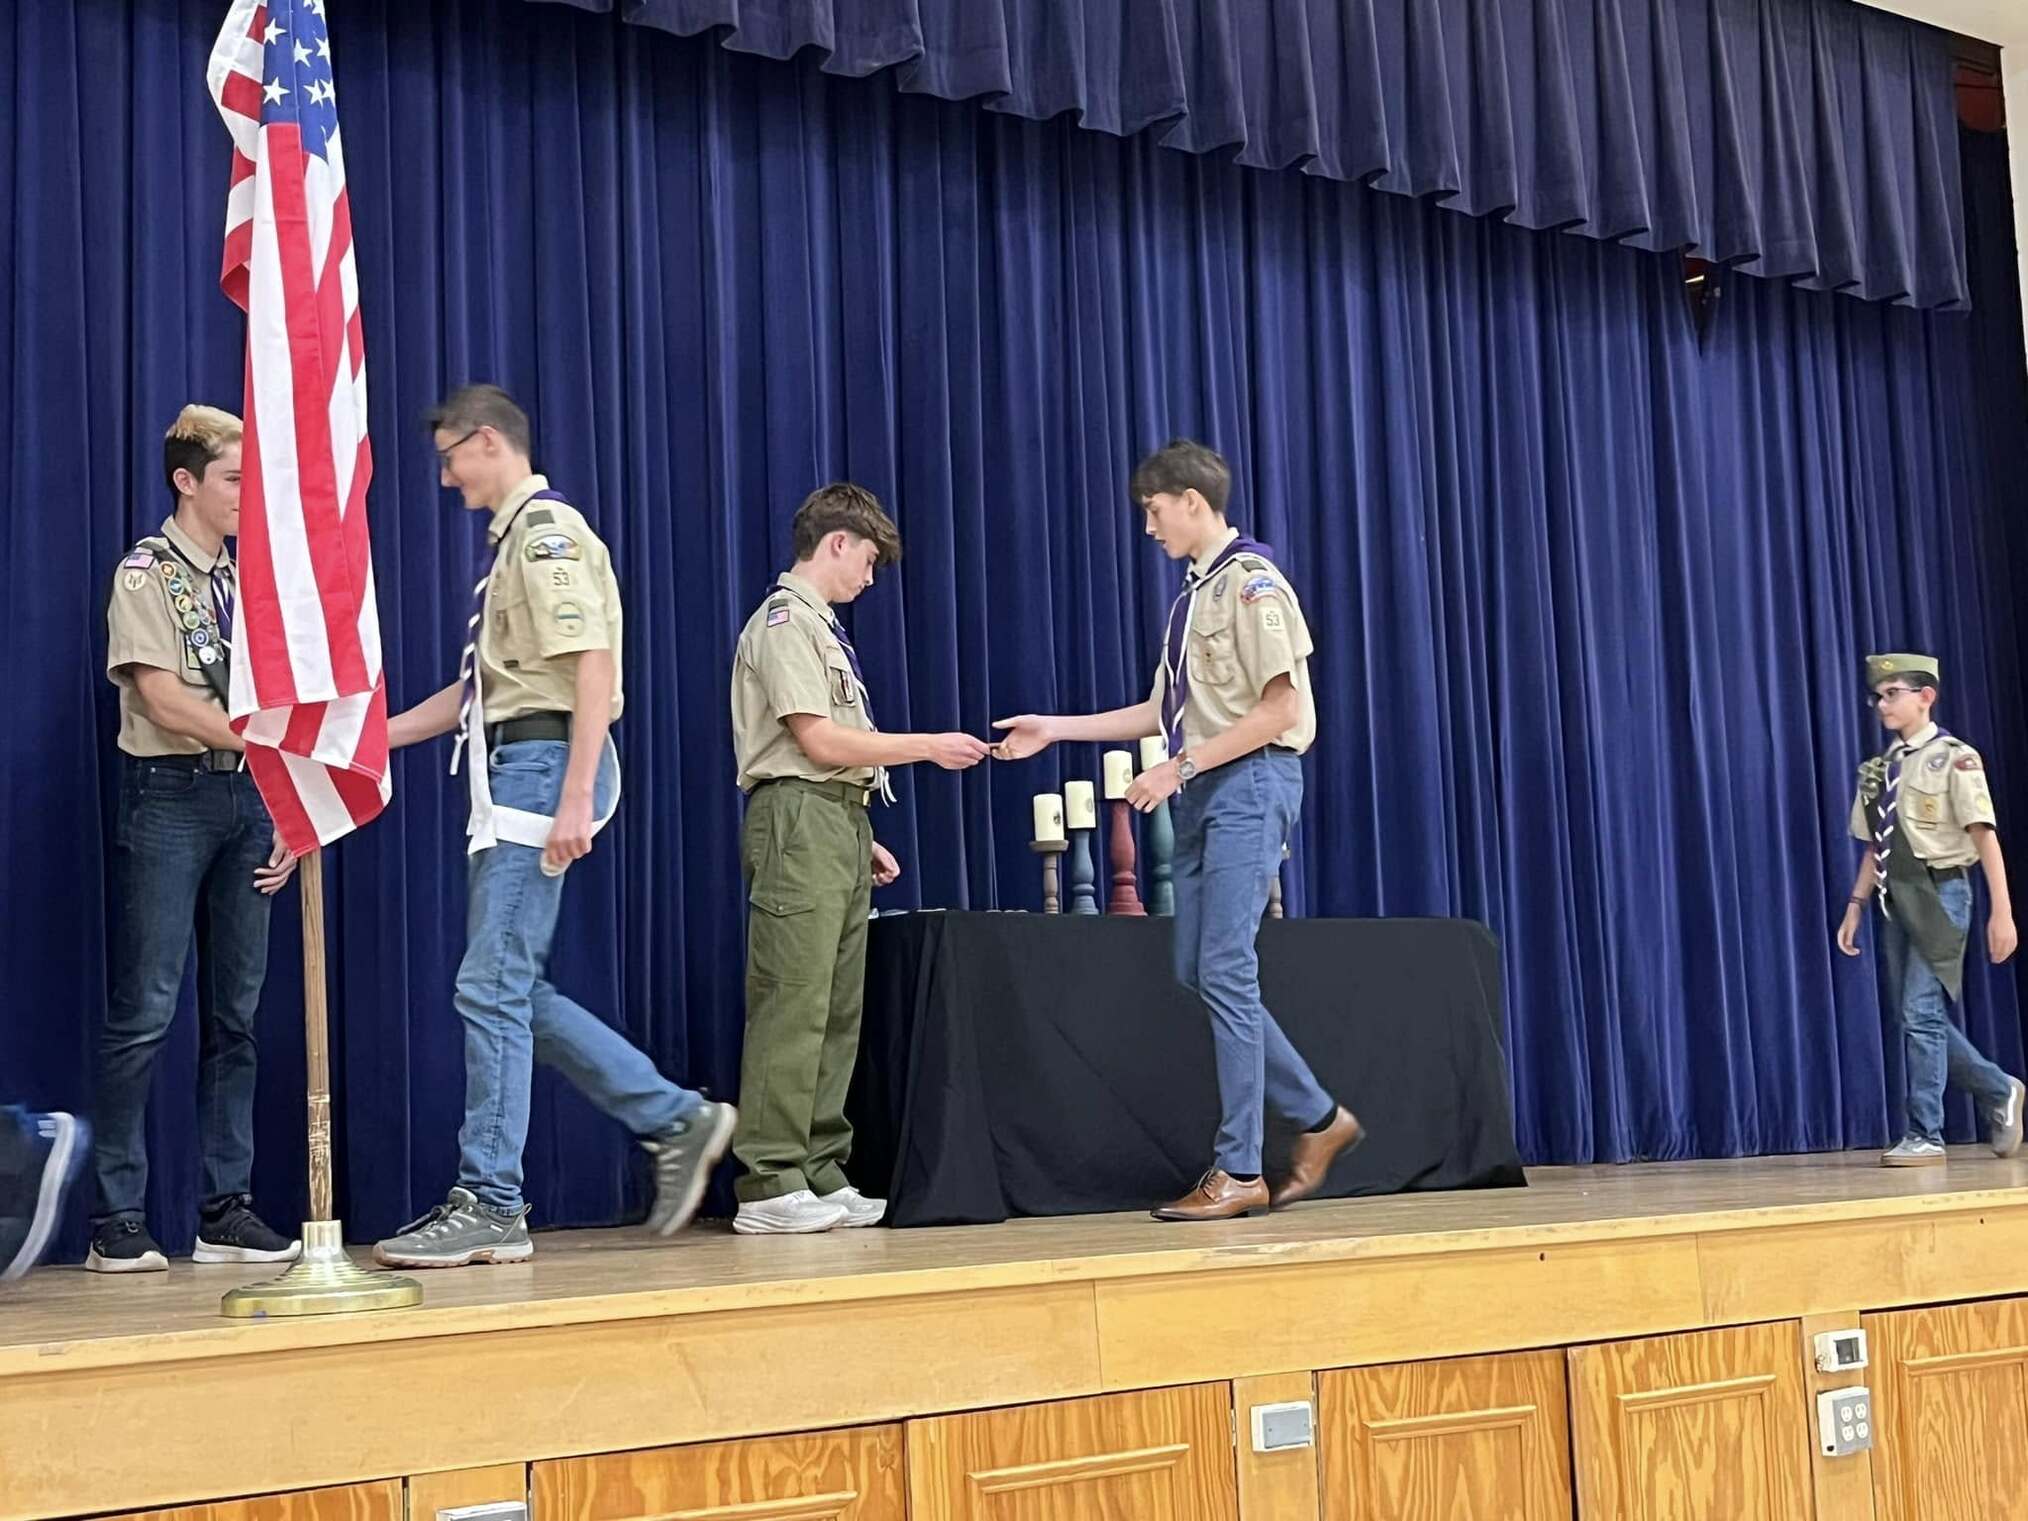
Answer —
(810, 758)
(1926, 814)
(1232, 693)
(193, 847)
(538, 689)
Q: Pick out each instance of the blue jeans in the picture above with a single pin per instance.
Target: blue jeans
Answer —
(1934, 1049)
(1231, 825)
(513, 1017)
(185, 847)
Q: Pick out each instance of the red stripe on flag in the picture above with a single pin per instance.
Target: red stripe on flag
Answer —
(241, 93)
(315, 327)
(278, 791)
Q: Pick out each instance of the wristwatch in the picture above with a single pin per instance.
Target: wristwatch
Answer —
(1186, 768)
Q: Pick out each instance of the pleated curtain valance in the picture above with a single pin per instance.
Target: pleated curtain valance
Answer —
(1812, 140)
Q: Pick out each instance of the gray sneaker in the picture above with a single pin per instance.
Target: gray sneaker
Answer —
(2007, 1120)
(1913, 1151)
(684, 1155)
(457, 1233)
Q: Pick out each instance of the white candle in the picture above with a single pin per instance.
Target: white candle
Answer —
(1048, 817)
(1080, 807)
(1119, 766)
(1154, 750)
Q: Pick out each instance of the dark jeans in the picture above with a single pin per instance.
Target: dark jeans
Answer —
(185, 847)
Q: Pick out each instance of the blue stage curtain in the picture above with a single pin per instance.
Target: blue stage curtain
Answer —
(1589, 596)
(1805, 139)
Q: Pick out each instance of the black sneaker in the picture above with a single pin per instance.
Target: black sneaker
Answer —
(124, 1246)
(230, 1231)
(31, 1200)
(684, 1155)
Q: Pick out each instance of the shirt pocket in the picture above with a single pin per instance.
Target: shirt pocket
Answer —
(1214, 639)
(506, 626)
(1925, 806)
(838, 677)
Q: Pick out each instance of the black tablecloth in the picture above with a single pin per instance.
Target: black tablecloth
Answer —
(1023, 1064)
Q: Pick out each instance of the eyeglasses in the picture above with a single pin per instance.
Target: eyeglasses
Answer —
(444, 455)
(1888, 694)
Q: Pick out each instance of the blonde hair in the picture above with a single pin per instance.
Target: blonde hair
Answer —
(198, 436)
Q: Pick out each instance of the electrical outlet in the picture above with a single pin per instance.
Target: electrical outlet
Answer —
(1277, 1428)
(1845, 1421)
(1841, 1351)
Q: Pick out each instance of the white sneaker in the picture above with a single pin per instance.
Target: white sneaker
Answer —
(859, 1210)
(2006, 1136)
(801, 1213)
(1913, 1151)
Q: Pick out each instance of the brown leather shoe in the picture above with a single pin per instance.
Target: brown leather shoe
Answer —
(1311, 1157)
(1217, 1196)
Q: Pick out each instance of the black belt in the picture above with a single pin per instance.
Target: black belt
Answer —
(528, 726)
(1946, 873)
(204, 760)
(856, 793)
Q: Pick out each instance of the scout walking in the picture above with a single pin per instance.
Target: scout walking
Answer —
(538, 689)
(1232, 694)
(193, 848)
(1926, 815)
(810, 760)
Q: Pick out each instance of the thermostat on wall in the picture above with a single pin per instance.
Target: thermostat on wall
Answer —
(1276, 1428)
(1841, 1351)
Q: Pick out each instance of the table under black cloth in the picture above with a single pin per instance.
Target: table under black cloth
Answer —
(1027, 1064)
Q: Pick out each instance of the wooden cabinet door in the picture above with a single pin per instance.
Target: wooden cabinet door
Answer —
(1706, 1426)
(852, 1475)
(1950, 1410)
(1485, 1437)
(379, 1501)
(1158, 1455)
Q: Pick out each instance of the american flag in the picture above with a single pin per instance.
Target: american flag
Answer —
(307, 689)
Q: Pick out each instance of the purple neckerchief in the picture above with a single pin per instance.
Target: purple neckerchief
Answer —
(1176, 633)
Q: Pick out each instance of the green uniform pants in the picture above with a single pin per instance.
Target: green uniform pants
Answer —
(806, 851)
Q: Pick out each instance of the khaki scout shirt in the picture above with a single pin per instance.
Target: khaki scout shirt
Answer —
(145, 626)
(1943, 793)
(789, 661)
(551, 595)
(1246, 628)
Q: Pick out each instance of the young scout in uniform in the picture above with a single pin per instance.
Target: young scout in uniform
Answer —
(1232, 693)
(1926, 814)
(810, 759)
(193, 847)
(538, 690)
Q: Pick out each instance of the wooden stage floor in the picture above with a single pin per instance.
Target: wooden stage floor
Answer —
(734, 1336)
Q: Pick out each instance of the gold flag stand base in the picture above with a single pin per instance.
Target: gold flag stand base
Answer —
(323, 1281)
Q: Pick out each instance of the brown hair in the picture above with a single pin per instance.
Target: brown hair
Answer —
(198, 436)
(844, 507)
(470, 408)
(1182, 465)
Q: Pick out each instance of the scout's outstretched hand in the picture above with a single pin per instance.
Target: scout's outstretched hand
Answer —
(1022, 737)
(954, 752)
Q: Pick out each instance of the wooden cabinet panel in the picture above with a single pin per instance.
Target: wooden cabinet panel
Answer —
(429, 1493)
(853, 1475)
(1950, 1408)
(1484, 1437)
(1158, 1455)
(379, 1501)
(1274, 1486)
(1711, 1424)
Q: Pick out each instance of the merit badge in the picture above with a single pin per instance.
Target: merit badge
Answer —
(191, 620)
(209, 654)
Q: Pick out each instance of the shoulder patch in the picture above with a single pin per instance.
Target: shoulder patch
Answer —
(540, 516)
(555, 545)
(777, 616)
(1970, 761)
(1257, 587)
(140, 559)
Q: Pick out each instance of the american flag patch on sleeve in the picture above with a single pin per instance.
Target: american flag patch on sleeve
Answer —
(778, 616)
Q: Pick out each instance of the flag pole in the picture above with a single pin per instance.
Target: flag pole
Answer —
(324, 1280)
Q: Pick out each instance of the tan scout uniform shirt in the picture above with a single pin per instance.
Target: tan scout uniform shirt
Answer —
(789, 661)
(1246, 628)
(1943, 793)
(144, 626)
(552, 594)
